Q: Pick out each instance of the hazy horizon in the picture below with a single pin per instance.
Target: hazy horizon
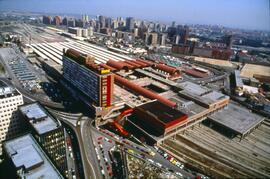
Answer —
(245, 14)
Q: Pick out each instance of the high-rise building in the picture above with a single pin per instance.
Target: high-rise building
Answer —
(177, 39)
(57, 20)
(162, 39)
(10, 124)
(85, 32)
(152, 39)
(85, 18)
(64, 21)
(48, 132)
(102, 21)
(135, 32)
(75, 30)
(108, 22)
(130, 23)
(173, 24)
(90, 31)
(115, 24)
(228, 41)
(79, 23)
(95, 82)
(71, 22)
(47, 20)
(183, 31)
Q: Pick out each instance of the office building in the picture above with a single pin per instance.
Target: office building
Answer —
(64, 21)
(162, 39)
(85, 18)
(183, 32)
(57, 21)
(28, 160)
(135, 32)
(173, 24)
(151, 39)
(92, 80)
(108, 22)
(10, 124)
(177, 39)
(71, 22)
(77, 31)
(47, 20)
(85, 32)
(130, 23)
(228, 41)
(90, 31)
(102, 21)
(48, 131)
(79, 23)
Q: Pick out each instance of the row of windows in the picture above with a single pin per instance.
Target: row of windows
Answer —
(12, 104)
(5, 119)
(6, 115)
(11, 100)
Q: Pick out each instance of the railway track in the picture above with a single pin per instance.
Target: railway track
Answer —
(241, 157)
(219, 156)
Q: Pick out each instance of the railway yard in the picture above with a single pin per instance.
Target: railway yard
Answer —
(216, 155)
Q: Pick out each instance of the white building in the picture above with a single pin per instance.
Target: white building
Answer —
(10, 99)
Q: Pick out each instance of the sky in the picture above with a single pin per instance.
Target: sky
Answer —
(247, 14)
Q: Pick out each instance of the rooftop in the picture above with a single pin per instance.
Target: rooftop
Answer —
(39, 118)
(238, 79)
(188, 107)
(236, 118)
(161, 111)
(26, 154)
(5, 90)
(214, 96)
(193, 88)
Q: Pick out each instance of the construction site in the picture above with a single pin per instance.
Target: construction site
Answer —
(164, 105)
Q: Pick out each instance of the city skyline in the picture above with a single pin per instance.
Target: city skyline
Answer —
(190, 12)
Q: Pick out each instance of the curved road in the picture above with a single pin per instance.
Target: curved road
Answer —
(84, 138)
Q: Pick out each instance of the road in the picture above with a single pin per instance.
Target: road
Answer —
(142, 152)
(88, 169)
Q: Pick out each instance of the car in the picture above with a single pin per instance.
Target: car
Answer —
(168, 157)
(102, 171)
(152, 153)
(116, 137)
(99, 138)
(130, 151)
(150, 160)
(165, 155)
(158, 164)
(179, 174)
